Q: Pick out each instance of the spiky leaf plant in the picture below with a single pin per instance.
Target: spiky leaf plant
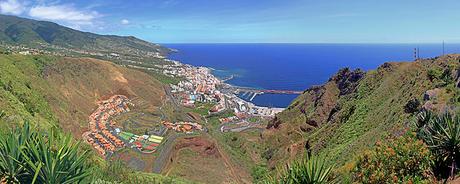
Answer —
(311, 170)
(11, 157)
(442, 135)
(53, 159)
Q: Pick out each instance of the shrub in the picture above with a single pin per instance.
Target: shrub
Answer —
(434, 74)
(447, 77)
(258, 173)
(268, 154)
(412, 106)
(402, 160)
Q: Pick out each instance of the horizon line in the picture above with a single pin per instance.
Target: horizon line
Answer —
(446, 43)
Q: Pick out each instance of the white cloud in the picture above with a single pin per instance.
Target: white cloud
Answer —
(124, 22)
(64, 13)
(11, 7)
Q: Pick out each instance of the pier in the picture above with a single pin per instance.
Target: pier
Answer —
(265, 91)
(251, 93)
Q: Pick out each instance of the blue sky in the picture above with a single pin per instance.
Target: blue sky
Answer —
(254, 21)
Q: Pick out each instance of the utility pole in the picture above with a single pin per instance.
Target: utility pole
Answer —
(443, 48)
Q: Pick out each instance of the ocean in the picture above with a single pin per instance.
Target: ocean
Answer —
(294, 66)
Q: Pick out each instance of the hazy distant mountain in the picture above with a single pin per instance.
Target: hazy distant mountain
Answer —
(32, 32)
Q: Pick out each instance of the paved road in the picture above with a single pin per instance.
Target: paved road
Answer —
(254, 125)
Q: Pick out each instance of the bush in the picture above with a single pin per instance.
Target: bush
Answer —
(434, 74)
(402, 160)
(412, 106)
(268, 154)
(444, 77)
(258, 173)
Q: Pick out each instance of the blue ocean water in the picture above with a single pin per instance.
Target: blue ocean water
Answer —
(294, 66)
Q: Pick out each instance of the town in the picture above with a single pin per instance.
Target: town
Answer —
(107, 138)
(200, 85)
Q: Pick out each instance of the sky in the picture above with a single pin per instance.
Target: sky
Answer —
(254, 21)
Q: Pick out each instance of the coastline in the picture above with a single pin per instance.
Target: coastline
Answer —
(202, 85)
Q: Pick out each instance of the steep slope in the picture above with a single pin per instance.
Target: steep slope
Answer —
(82, 82)
(34, 33)
(63, 91)
(355, 109)
(21, 87)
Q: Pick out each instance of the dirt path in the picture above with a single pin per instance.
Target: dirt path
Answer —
(228, 163)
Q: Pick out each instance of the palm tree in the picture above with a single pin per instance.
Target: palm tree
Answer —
(311, 170)
(442, 135)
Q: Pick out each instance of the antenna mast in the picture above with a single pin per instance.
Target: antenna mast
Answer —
(443, 48)
(418, 53)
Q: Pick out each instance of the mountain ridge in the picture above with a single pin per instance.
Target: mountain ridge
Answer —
(349, 113)
(18, 30)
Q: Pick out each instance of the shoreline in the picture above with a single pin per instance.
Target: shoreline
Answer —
(202, 85)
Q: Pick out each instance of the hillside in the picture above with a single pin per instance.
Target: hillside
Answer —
(64, 91)
(354, 109)
(16, 30)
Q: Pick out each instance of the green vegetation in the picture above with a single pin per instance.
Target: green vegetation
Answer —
(442, 134)
(434, 74)
(401, 160)
(311, 170)
(112, 172)
(164, 78)
(34, 33)
(30, 156)
(351, 113)
(440, 76)
(258, 173)
(245, 148)
(29, 93)
(343, 120)
(202, 108)
(21, 89)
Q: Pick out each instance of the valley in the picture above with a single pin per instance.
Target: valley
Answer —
(142, 117)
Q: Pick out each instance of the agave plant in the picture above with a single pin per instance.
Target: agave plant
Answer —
(312, 170)
(56, 160)
(11, 157)
(442, 135)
